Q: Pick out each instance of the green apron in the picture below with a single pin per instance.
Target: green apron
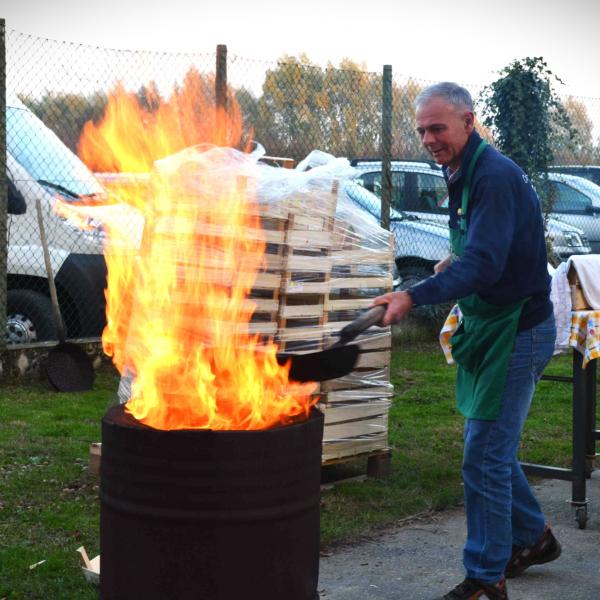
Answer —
(484, 340)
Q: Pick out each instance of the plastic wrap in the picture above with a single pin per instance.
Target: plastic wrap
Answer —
(322, 260)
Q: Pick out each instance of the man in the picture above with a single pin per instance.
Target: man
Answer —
(498, 272)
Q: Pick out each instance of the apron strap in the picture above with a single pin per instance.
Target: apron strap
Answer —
(467, 185)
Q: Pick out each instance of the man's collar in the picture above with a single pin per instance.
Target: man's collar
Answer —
(470, 148)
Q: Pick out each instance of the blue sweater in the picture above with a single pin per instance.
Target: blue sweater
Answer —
(505, 252)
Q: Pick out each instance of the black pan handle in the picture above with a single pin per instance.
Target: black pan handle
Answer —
(372, 317)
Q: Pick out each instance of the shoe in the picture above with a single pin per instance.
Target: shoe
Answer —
(548, 548)
(471, 589)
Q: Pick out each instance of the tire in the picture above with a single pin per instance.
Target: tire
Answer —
(30, 317)
(411, 275)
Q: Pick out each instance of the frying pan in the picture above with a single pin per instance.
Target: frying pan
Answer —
(337, 360)
(68, 367)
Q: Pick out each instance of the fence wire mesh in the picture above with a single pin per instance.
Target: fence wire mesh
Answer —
(289, 106)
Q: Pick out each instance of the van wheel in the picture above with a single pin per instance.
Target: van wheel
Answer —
(411, 275)
(30, 317)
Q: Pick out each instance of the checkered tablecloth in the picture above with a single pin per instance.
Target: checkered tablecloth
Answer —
(585, 333)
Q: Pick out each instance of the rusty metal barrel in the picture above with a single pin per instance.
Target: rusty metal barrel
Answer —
(209, 515)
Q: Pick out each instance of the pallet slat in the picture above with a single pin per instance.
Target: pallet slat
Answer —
(340, 431)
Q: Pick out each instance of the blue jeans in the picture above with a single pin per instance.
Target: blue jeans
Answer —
(500, 506)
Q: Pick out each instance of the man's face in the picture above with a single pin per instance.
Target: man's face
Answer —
(444, 130)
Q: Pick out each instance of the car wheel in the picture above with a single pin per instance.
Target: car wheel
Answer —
(29, 317)
(411, 275)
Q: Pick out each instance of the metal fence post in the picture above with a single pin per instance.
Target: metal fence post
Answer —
(386, 147)
(3, 185)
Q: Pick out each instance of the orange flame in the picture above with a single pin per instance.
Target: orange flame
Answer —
(177, 307)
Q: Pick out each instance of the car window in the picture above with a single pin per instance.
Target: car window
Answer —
(568, 199)
(363, 198)
(372, 182)
(431, 191)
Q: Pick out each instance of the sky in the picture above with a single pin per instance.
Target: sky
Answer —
(467, 41)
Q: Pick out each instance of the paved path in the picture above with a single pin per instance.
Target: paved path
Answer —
(422, 560)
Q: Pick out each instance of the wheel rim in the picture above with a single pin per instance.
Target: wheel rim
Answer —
(407, 282)
(20, 329)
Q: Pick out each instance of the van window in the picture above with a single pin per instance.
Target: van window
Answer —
(44, 156)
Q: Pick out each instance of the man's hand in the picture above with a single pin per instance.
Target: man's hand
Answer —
(398, 306)
(443, 264)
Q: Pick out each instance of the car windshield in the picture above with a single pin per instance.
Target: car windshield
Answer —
(45, 157)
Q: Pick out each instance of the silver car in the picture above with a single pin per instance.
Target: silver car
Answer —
(576, 201)
(419, 189)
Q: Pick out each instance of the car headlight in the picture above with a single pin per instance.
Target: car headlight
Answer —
(89, 227)
(573, 239)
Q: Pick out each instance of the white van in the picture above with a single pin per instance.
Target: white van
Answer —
(40, 166)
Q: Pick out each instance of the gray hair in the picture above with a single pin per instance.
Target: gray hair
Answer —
(452, 93)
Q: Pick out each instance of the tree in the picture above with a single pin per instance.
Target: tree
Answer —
(304, 106)
(248, 104)
(351, 103)
(525, 114)
(67, 113)
(289, 115)
(580, 149)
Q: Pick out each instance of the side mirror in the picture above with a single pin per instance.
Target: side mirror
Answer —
(16, 201)
(592, 210)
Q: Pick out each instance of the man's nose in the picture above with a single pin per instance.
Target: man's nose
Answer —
(428, 138)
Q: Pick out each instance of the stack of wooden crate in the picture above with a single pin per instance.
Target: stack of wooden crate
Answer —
(323, 267)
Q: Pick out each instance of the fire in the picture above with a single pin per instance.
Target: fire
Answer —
(177, 306)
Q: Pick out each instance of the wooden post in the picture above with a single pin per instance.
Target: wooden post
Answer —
(386, 147)
(221, 77)
(3, 184)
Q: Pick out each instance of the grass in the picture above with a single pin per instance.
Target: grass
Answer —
(49, 502)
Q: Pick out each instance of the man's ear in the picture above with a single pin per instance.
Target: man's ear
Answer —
(469, 122)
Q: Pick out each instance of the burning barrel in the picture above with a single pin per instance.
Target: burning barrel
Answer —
(209, 515)
(210, 475)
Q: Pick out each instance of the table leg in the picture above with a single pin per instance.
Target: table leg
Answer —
(590, 372)
(580, 429)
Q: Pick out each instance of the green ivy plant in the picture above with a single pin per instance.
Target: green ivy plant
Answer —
(526, 117)
(525, 114)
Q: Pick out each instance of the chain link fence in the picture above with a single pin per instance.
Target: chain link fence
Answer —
(289, 106)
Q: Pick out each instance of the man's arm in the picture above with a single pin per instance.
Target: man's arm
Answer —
(443, 264)
(489, 237)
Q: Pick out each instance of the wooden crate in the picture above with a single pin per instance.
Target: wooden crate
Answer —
(578, 301)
